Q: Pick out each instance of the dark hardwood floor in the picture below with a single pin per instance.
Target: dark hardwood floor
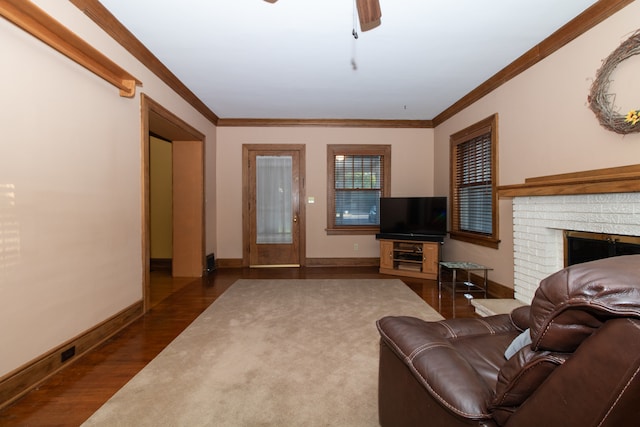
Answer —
(69, 397)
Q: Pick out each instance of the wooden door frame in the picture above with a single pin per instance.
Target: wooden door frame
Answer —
(246, 233)
(159, 121)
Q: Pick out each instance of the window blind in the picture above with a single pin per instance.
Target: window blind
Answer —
(474, 187)
(358, 182)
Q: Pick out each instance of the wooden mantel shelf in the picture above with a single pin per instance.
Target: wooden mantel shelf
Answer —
(625, 179)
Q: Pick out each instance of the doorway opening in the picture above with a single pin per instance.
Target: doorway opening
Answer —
(187, 193)
(273, 214)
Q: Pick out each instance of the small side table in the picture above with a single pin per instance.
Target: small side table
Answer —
(467, 287)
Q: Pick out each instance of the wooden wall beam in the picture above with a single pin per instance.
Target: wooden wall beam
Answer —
(39, 24)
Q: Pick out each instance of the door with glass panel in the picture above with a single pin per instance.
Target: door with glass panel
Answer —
(273, 216)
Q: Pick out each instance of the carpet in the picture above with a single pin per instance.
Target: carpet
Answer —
(270, 353)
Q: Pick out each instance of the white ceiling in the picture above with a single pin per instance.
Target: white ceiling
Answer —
(293, 59)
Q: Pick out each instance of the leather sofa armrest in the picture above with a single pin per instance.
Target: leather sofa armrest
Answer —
(437, 365)
(465, 327)
(520, 317)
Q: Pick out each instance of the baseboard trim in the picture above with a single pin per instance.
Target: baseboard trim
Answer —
(229, 263)
(24, 379)
(494, 289)
(162, 264)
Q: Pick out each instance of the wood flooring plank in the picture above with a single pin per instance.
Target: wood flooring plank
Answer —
(74, 394)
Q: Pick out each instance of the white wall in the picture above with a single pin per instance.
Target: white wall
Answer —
(70, 188)
(546, 127)
(411, 171)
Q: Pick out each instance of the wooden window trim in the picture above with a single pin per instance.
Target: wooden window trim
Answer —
(477, 129)
(354, 149)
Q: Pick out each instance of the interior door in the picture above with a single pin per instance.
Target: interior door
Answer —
(273, 213)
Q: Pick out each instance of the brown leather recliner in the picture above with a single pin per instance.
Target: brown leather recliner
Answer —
(579, 366)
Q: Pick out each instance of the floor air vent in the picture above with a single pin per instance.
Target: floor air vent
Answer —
(210, 264)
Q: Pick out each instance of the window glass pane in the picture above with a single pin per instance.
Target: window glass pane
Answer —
(474, 185)
(475, 209)
(474, 214)
(274, 210)
(357, 207)
(358, 184)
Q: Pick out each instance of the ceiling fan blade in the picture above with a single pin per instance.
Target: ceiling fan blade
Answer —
(369, 13)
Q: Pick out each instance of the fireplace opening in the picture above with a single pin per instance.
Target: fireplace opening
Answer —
(581, 246)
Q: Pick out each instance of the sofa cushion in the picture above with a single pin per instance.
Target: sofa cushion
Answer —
(571, 304)
(457, 360)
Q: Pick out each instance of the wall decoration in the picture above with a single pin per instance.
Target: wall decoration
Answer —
(601, 101)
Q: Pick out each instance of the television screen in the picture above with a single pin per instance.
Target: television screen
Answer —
(424, 216)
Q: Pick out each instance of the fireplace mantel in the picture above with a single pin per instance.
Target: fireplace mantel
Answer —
(624, 179)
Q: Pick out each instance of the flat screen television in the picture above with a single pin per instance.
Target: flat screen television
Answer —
(413, 217)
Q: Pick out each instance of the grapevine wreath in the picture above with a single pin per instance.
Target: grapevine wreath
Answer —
(601, 102)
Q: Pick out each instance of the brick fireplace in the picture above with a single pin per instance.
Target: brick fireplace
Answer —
(601, 201)
(539, 223)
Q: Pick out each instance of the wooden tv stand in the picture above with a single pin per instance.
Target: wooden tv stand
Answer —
(410, 258)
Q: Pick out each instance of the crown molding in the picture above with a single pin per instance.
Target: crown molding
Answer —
(355, 123)
(592, 16)
(105, 20)
(588, 19)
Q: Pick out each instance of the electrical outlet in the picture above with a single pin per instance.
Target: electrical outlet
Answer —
(68, 354)
(355, 247)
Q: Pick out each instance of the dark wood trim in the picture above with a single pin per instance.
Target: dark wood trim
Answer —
(624, 179)
(588, 19)
(22, 380)
(334, 150)
(39, 24)
(476, 239)
(496, 290)
(158, 120)
(160, 264)
(592, 16)
(105, 20)
(247, 151)
(487, 125)
(355, 123)
(229, 263)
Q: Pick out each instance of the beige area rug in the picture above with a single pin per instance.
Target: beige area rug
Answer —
(270, 353)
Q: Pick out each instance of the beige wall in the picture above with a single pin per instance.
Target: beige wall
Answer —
(70, 188)
(411, 171)
(545, 127)
(70, 172)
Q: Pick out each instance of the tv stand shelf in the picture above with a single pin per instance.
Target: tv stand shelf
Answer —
(411, 258)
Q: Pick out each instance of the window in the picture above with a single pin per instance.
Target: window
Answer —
(474, 214)
(357, 176)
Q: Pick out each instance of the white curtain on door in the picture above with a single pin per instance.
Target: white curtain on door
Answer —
(274, 214)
